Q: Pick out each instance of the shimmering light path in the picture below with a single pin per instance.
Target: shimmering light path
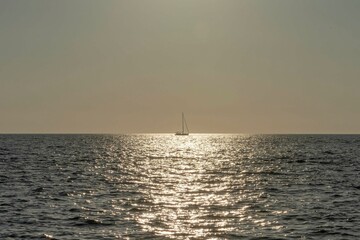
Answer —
(166, 186)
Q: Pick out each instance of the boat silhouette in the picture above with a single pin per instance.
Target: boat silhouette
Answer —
(183, 124)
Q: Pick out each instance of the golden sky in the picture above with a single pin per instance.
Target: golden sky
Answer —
(241, 66)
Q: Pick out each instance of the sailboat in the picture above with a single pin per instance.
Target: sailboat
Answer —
(183, 123)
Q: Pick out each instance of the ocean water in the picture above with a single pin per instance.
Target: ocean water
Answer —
(180, 187)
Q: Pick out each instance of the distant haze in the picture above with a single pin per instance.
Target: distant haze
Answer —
(255, 66)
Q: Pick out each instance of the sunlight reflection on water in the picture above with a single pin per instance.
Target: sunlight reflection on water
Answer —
(191, 186)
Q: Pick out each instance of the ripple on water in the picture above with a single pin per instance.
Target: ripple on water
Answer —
(163, 186)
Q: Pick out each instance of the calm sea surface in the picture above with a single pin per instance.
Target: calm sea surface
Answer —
(177, 187)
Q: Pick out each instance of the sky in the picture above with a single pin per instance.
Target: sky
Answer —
(232, 66)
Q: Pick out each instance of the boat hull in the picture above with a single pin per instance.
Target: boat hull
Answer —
(181, 134)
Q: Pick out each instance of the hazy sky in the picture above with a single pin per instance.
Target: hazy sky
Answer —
(255, 66)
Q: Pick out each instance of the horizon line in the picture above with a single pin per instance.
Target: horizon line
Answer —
(171, 133)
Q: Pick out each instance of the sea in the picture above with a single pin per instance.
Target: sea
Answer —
(162, 186)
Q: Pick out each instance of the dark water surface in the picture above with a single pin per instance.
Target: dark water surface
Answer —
(194, 187)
